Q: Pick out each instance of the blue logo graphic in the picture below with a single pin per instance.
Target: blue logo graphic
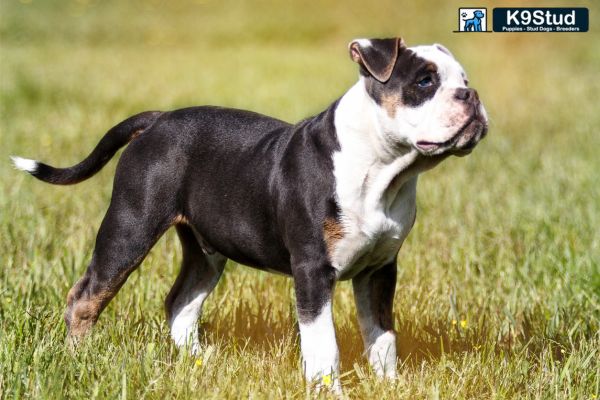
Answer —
(472, 19)
(473, 24)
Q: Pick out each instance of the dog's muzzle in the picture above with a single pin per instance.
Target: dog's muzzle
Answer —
(467, 137)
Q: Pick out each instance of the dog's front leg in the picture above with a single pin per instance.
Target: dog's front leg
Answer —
(374, 296)
(314, 284)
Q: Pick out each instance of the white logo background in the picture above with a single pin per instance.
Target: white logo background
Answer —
(469, 15)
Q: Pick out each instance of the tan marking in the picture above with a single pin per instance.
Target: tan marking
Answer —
(390, 103)
(332, 232)
(83, 313)
(136, 134)
(71, 294)
(430, 67)
(180, 219)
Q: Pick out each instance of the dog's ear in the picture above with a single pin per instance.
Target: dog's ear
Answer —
(376, 56)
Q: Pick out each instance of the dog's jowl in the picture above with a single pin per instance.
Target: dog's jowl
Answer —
(327, 199)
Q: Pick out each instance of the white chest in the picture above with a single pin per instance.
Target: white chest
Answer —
(375, 188)
(374, 232)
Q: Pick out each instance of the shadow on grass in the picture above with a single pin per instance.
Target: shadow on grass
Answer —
(261, 329)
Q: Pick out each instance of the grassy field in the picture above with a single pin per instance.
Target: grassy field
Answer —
(498, 290)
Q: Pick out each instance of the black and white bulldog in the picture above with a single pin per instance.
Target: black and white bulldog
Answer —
(330, 198)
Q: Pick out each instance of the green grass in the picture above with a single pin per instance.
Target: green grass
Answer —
(499, 282)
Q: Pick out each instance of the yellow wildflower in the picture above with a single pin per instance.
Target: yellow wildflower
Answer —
(199, 362)
(463, 323)
(327, 380)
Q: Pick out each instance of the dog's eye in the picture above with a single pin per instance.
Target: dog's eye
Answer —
(425, 82)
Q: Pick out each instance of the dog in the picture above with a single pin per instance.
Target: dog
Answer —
(330, 198)
(474, 24)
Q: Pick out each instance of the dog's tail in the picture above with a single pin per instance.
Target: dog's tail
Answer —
(112, 141)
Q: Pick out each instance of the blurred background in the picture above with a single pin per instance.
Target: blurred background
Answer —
(506, 239)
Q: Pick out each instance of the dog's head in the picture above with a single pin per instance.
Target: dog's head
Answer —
(420, 96)
(478, 14)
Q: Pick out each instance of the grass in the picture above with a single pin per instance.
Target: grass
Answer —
(499, 282)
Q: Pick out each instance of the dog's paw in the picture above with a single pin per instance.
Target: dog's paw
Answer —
(328, 383)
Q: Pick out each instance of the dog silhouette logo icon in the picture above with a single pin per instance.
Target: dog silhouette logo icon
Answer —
(472, 19)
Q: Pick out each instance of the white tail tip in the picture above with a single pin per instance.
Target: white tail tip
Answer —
(24, 164)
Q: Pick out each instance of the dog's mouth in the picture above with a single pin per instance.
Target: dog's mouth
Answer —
(462, 143)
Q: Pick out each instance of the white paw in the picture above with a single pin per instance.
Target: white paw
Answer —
(327, 382)
(382, 355)
(186, 338)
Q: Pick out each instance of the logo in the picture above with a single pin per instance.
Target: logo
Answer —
(541, 19)
(524, 19)
(472, 20)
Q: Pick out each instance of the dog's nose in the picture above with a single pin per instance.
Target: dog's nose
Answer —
(466, 94)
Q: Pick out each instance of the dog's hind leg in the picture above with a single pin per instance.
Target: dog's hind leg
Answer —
(198, 276)
(126, 235)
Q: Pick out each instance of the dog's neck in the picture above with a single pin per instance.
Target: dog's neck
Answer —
(368, 167)
(358, 127)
